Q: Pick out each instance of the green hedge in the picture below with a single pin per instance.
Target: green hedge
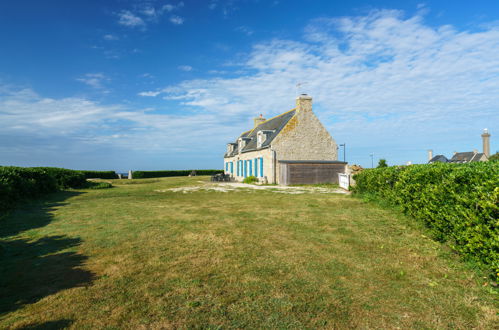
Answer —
(18, 183)
(100, 174)
(161, 174)
(458, 202)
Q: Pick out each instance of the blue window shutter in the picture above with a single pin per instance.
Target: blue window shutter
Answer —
(256, 167)
(261, 167)
(231, 167)
(250, 167)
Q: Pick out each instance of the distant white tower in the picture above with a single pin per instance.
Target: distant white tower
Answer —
(486, 142)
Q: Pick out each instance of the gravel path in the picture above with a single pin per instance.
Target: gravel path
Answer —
(232, 186)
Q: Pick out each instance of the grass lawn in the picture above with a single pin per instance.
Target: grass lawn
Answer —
(132, 257)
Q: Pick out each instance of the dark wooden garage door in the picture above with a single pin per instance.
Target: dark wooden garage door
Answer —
(310, 173)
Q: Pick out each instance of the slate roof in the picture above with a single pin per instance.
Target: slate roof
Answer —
(275, 124)
(439, 159)
(466, 157)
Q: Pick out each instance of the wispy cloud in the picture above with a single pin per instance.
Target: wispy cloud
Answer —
(127, 18)
(244, 29)
(150, 93)
(110, 37)
(95, 80)
(185, 68)
(147, 13)
(177, 20)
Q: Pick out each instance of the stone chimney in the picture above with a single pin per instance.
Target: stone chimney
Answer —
(486, 142)
(304, 103)
(259, 120)
(430, 154)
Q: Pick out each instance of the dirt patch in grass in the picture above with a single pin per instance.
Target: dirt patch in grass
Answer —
(233, 186)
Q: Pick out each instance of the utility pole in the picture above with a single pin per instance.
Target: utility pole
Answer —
(344, 145)
(372, 160)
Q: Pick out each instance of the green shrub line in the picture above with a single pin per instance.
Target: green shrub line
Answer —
(18, 183)
(162, 174)
(458, 202)
(100, 174)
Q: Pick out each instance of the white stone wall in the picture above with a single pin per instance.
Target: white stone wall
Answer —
(304, 137)
(268, 167)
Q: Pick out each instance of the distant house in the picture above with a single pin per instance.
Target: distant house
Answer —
(438, 159)
(465, 157)
(291, 148)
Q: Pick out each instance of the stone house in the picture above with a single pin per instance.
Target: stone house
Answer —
(291, 148)
(465, 157)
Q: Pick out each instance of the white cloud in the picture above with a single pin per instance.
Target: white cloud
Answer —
(23, 110)
(110, 37)
(185, 68)
(244, 29)
(95, 80)
(147, 13)
(127, 18)
(149, 94)
(389, 74)
(177, 20)
(29, 117)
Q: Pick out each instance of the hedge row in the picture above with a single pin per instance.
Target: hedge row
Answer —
(18, 183)
(100, 174)
(458, 202)
(161, 174)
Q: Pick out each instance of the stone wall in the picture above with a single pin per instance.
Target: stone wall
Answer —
(304, 137)
(268, 164)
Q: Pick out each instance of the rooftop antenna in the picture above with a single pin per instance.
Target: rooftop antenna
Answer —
(298, 88)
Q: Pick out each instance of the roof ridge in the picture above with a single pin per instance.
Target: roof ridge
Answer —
(263, 122)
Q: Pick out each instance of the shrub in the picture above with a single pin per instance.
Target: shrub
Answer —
(161, 174)
(250, 179)
(458, 202)
(100, 174)
(98, 185)
(65, 178)
(18, 183)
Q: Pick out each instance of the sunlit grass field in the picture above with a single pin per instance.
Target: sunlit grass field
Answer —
(133, 257)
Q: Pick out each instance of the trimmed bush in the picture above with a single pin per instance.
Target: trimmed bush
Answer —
(162, 174)
(65, 178)
(250, 179)
(18, 183)
(458, 202)
(100, 174)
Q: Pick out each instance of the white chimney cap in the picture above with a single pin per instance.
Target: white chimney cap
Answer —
(304, 97)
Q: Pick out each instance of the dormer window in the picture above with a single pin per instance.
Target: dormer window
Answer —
(242, 142)
(230, 148)
(261, 137)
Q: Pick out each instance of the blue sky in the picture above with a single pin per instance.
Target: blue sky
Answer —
(166, 84)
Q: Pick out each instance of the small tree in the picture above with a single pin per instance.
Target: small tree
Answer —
(494, 156)
(382, 163)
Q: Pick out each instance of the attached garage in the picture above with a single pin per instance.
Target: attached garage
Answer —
(310, 171)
